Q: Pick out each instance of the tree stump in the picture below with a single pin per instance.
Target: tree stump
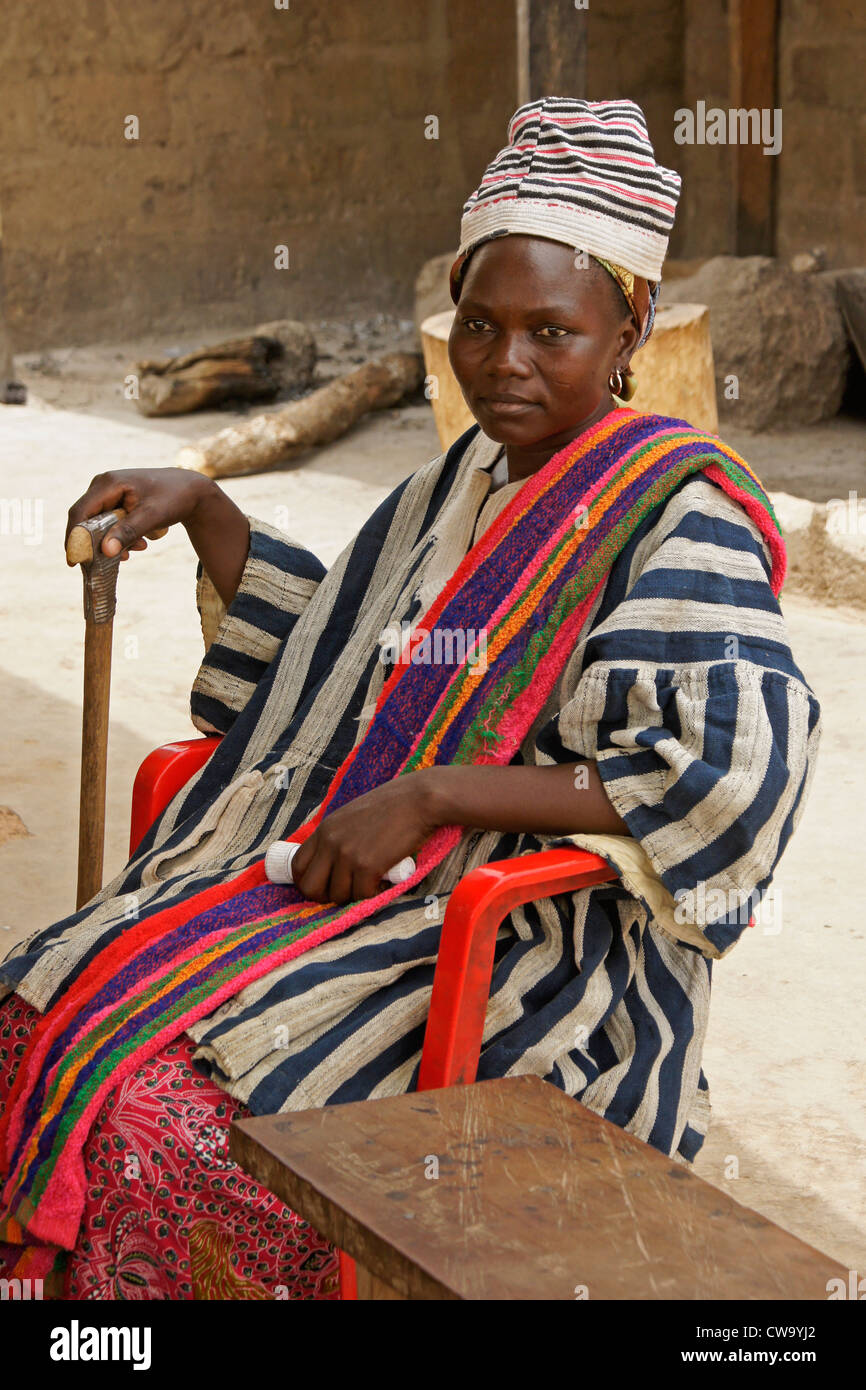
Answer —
(674, 368)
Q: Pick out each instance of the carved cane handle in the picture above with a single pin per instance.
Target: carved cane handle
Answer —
(84, 540)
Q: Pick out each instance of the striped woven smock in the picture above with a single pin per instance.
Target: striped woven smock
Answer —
(683, 687)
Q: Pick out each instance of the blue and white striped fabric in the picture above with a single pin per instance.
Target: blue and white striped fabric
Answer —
(682, 686)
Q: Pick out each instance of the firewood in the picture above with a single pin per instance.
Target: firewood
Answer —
(277, 356)
(323, 415)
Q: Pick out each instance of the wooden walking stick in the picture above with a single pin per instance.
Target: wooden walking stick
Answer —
(84, 547)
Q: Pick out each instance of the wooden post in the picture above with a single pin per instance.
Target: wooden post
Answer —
(752, 32)
(12, 392)
(551, 49)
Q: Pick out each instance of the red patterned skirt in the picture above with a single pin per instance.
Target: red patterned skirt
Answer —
(168, 1214)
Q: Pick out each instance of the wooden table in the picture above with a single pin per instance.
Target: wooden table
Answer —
(536, 1198)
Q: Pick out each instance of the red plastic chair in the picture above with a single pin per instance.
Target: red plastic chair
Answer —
(464, 966)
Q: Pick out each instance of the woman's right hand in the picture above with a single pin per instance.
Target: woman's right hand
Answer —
(153, 498)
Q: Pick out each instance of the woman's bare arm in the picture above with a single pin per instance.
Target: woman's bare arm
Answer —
(220, 536)
(563, 799)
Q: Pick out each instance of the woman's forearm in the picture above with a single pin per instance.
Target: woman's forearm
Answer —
(220, 536)
(564, 799)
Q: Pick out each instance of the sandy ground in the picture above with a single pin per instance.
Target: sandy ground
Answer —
(785, 1057)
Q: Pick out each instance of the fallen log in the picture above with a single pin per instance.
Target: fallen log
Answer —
(275, 357)
(323, 415)
(177, 387)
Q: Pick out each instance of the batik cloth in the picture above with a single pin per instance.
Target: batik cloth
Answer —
(168, 1214)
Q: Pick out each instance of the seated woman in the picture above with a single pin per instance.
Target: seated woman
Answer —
(625, 675)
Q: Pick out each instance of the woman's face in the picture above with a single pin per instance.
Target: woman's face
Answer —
(535, 337)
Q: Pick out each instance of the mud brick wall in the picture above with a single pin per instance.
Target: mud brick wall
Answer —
(635, 50)
(821, 189)
(258, 127)
(705, 215)
(305, 127)
(821, 169)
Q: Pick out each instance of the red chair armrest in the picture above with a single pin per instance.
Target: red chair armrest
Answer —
(464, 966)
(161, 776)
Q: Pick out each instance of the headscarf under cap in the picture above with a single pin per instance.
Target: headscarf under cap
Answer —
(640, 295)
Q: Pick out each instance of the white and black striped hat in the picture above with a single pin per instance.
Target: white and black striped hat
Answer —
(580, 172)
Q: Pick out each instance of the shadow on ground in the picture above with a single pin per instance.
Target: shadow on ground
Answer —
(41, 746)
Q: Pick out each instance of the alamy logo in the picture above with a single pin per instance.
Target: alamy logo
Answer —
(738, 126)
(20, 1289)
(703, 905)
(23, 516)
(445, 646)
(77, 1343)
(855, 1289)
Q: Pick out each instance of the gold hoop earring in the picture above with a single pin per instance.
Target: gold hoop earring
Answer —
(615, 385)
(629, 385)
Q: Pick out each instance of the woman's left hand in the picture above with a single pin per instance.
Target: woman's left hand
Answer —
(351, 850)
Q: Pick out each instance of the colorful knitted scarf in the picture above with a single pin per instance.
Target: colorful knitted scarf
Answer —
(529, 584)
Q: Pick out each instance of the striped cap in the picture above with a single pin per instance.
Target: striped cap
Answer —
(580, 172)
